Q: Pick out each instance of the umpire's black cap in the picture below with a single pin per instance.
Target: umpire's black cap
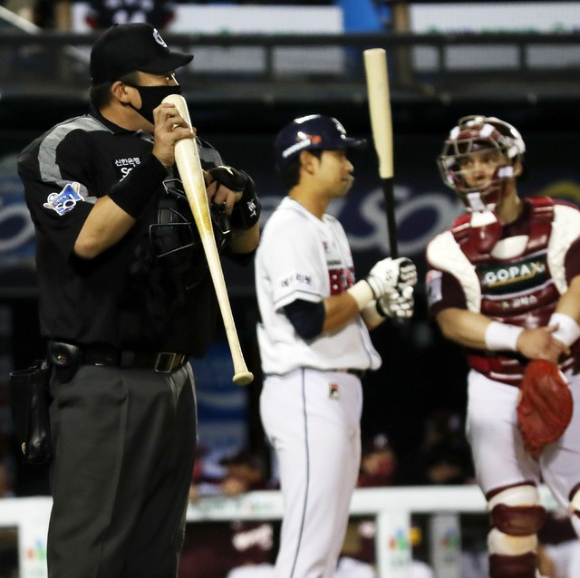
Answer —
(313, 132)
(125, 48)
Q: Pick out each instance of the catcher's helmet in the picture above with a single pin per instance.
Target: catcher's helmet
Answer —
(313, 132)
(476, 134)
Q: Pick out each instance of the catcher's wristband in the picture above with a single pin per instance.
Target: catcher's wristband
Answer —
(502, 336)
(568, 331)
(133, 192)
(362, 293)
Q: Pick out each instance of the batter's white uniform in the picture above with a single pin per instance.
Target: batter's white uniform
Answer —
(310, 404)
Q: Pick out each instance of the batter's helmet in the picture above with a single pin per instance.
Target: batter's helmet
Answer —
(313, 132)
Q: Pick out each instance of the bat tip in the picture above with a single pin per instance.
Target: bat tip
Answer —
(243, 378)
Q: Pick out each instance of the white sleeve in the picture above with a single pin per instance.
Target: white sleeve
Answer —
(296, 264)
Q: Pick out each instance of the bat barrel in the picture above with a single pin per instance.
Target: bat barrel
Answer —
(191, 173)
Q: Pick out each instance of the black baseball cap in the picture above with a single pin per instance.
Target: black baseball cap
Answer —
(313, 132)
(125, 48)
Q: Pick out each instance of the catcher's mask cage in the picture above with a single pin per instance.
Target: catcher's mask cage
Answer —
(174, 237)
(478, 135)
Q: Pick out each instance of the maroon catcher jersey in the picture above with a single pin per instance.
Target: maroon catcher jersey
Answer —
(517, 280)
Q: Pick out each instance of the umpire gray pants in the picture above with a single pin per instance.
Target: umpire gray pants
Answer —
(124, 444)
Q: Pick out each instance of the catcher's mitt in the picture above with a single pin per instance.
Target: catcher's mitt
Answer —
(545, 405)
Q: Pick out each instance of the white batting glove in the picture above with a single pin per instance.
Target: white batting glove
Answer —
(407, 274)
(387, 276)
(397, 305)
(390, 275)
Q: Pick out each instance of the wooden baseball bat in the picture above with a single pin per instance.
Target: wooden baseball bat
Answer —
(382, 127)
(190, 171)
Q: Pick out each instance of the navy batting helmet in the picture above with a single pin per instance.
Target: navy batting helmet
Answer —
(313, 132)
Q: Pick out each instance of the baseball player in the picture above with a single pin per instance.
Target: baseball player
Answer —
(125, 299)
(504, 283)
(314, 342)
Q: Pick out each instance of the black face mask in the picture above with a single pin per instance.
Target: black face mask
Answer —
(151, 98)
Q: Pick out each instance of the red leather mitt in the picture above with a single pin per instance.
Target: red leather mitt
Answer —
(545, 405)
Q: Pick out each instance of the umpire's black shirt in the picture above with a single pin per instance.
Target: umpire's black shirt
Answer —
(122, 297)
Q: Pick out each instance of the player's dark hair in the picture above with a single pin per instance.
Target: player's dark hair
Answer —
(101, 95)
(290, 174)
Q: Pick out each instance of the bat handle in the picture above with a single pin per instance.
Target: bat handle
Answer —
(390, 212)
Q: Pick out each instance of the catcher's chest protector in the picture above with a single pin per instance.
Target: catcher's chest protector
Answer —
(518, 290)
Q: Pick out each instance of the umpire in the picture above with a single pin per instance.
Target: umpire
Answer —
(125, 300)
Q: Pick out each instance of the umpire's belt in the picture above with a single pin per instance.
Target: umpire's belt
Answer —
(68, 356)
(161, 362)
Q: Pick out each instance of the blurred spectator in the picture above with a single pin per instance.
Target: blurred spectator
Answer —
(379, 468)
(6, 479)
(54, 14)
(105, 13)
(214, 549)
(445, 457)
(24, 8)
(245, 473)
(378, 463)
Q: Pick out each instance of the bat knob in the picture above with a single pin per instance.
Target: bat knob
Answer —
(243, 378)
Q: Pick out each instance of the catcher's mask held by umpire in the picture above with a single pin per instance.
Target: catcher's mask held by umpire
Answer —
(174, 237)
(490, 140)
(313, 132)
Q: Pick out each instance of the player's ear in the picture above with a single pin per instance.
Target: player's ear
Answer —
(121, 91)
(518, 169)
(307, 161)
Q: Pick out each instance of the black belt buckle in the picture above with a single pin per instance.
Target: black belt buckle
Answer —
(164, 362)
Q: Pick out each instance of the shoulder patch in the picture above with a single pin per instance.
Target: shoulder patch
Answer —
(65, 201)
(444, 253)
(565, 230)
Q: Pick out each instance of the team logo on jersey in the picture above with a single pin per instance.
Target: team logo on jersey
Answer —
(65, 201)
(517, 276)
(333, 391)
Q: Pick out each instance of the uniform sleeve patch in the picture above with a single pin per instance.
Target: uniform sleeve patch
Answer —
(434, 293)
(65, 201)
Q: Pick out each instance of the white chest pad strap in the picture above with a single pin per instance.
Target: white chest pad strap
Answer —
(565, 230)
(445, 254)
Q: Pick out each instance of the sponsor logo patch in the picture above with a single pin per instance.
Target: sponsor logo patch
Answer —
(125, 166)
(434, 287)
(516, 276)
(296, 278)
(333, 391)
(65, 201)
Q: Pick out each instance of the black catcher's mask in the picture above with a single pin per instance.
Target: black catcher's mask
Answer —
(174, 238)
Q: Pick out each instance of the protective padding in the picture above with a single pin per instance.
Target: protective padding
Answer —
(518, 520)
(517, 511)
(505, 545)
(575, 501)
(523, 566)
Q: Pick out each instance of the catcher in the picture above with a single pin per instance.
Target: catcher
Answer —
(504, 283)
